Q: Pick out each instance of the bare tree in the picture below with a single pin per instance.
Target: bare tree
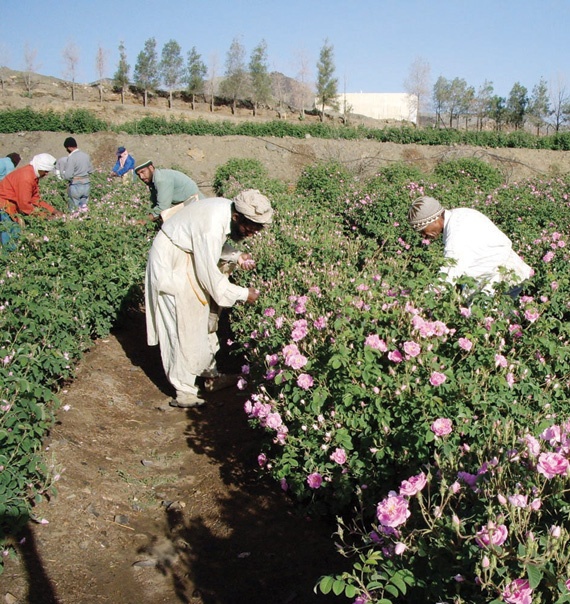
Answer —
(417, 85)
(302, 93)
(70, 56)
(4, 59)
(101, 66)
(212, 84)
(559, 103)
(30, 68)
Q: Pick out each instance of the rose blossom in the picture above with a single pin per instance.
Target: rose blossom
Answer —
(492, 534)
(305, 381)
(393, 511)
(414, 484)
(395, 356)
(518, 501)
(518, 592)
(442, 426)
(465, 344)
(400, 548)
(339, 456)
(412, 349)
(551, 464)
(375, 342)
(437, 378)
(500, 361)
(314, 480)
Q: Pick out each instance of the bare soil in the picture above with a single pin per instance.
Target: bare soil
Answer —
(157, 504)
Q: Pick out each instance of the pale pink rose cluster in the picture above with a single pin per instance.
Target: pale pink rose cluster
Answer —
(552, 464)
(314, 480)
(465, 344)
(268, 418)
(293, 358)
(300, 330)
(429, 329)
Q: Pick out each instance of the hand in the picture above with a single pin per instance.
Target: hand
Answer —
(252, 295)
(246, 262)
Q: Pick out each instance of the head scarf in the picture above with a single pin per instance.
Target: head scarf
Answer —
(43, 161)
(254, 206)
(14, 158)
(424, 211)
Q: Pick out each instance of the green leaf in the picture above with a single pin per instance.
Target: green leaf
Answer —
(534, 575)
(325, 584)
(338, 586)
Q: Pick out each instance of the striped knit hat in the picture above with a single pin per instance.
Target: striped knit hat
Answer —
(423, 211)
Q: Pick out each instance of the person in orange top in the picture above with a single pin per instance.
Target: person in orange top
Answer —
(20, 194)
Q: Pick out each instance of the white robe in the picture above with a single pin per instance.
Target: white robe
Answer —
(182, 275)
(479, 249)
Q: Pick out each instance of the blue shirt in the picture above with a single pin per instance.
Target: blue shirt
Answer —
(129, 165)
(6, 166)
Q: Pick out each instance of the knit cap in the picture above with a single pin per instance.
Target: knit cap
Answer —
(423, 211)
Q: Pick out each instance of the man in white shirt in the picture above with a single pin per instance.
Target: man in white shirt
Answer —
(477, 247)
(183, 278)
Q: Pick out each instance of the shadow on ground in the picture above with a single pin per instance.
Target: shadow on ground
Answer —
(267, 552)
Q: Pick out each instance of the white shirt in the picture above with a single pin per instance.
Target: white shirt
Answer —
(479, 249)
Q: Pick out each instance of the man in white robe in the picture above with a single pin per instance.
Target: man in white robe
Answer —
(183, 277)
(477, 247)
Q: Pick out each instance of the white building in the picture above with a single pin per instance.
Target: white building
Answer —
(380, 105)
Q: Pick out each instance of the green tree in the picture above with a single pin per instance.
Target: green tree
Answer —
(517, 105)
(195, 74)
(539, 105)
(121, 77)
(171, 67)
(440, 98)
(458, 99)
(235, 82)
(327, 84)
(147, 75)
(259, 76)
(498, 111)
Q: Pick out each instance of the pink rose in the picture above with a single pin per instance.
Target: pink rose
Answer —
(393, 511)
(465, 344)
(400, 548)
(442, 426)
(437, 378)
(491, 535)
(552, 464)
(518, 592)
(500, 361)
(305, 381)
(413, 485)
(339, 456)
(314, 480)
(375, 342)
(395, 356)
(412, 349)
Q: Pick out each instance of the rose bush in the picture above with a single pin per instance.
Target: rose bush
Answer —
(359, 347)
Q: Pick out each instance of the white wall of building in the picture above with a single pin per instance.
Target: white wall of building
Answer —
(380, 105)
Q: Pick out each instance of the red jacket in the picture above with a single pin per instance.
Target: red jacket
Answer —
(20, 192)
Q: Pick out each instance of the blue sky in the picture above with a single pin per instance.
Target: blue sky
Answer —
(375, 41)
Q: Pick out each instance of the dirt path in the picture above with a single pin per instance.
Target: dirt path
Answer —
(158, 504)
